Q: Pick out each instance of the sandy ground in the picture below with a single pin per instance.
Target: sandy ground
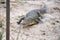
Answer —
(48, 30)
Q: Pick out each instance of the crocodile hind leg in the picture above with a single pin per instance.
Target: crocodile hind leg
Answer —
(20, 20)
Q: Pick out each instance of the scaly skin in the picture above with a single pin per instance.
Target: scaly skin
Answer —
(32, 17)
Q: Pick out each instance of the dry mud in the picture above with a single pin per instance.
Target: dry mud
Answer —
(48, 30)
